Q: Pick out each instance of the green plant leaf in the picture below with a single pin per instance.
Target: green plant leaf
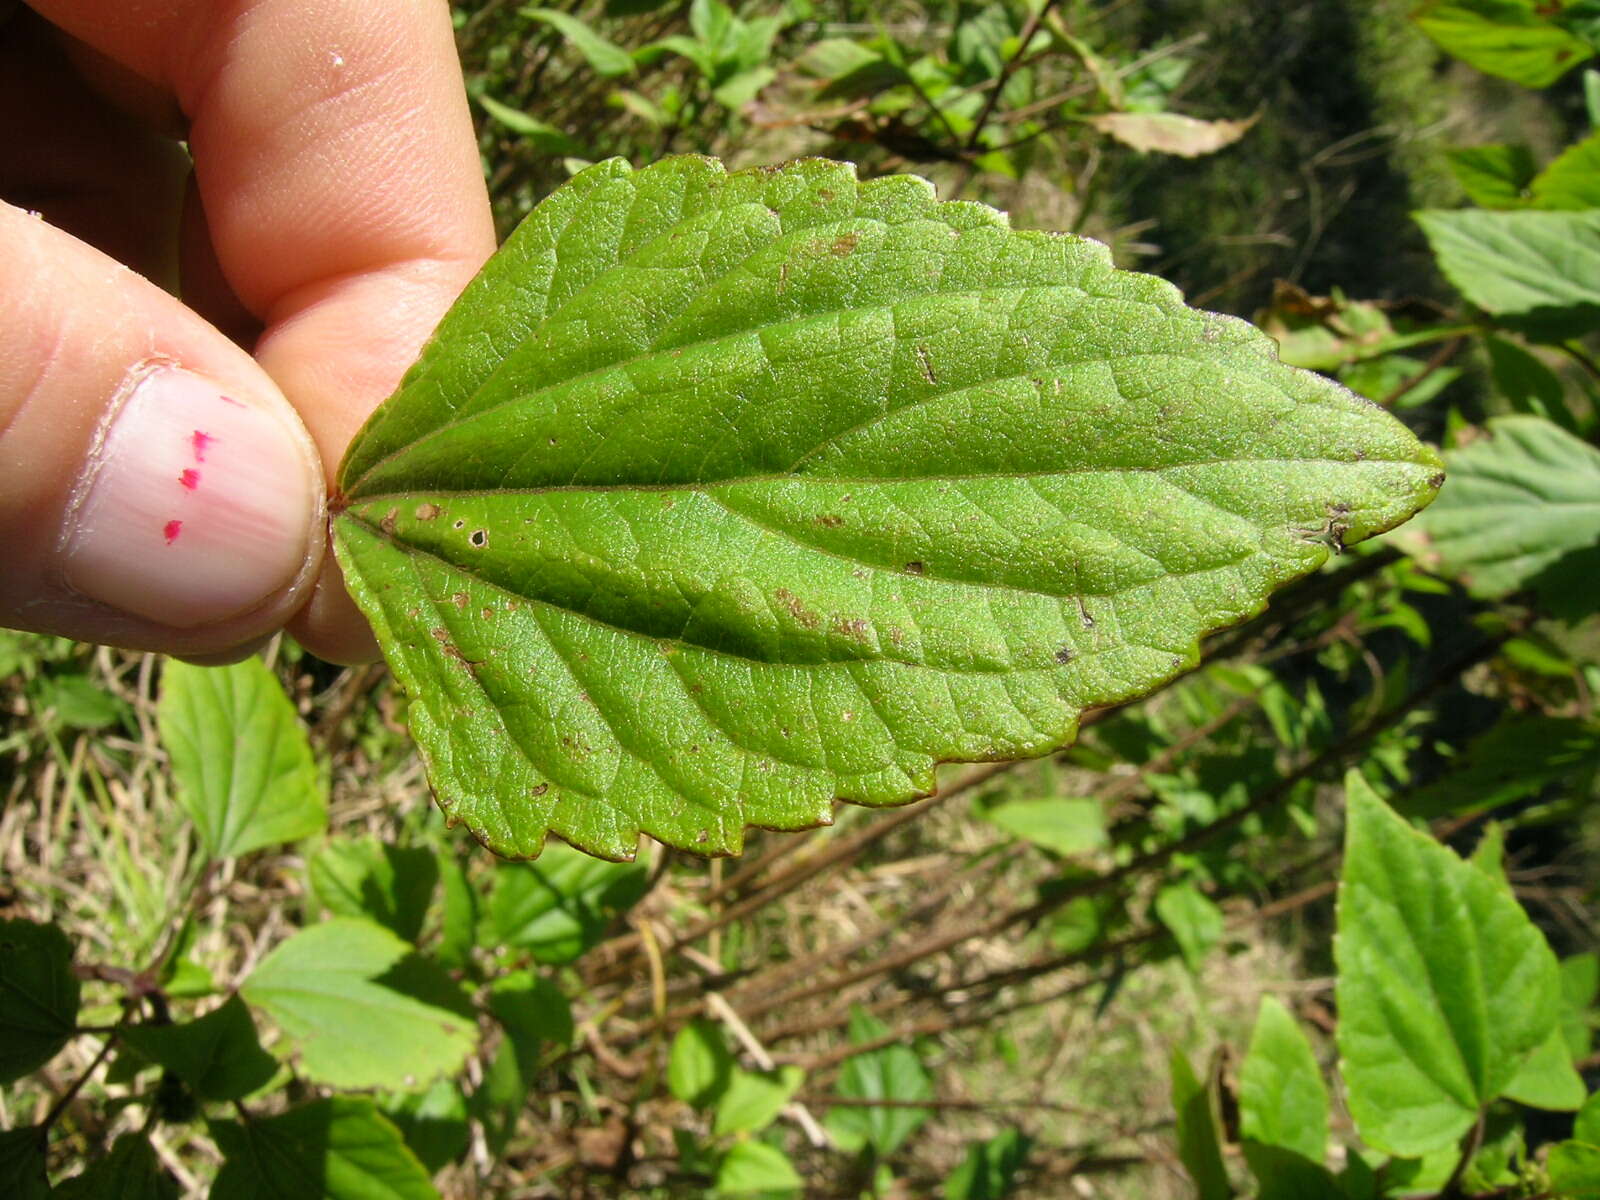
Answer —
(1537, 272)
(755, 1168)
(1575, 1170)
(342, 1148)
(700, 1065)
(38, 996)
(1522, 510)
(887, 1073)
(1572, 181)
(1199, 1149)
(561, 905)
(1580, 983)
(130, 1171)
(1445, 988)
(363, 877)
(218, 1055)
(534, 1013)
(240, 757)
(433, 1123)
(361, 1009)
(22, 1163)
(754, 1099)
(1586, 1127)
(1509, 38)
(719, 497)
(1193, 920)
(1061, 825)
(1282, 1099)
(1494, 176)
(1547, 1079)
(990, 1169)
(544, 136)
(604, 55)
(459, 916)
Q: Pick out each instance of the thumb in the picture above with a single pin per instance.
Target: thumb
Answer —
(156, 489)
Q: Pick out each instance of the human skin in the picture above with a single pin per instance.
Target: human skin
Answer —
(164, 461)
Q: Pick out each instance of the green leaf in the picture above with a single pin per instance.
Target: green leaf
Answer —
(459, 918)
(1586, 1127)
(433, 1124)
(700, 1066)
(363, 877)
(755, 1168)
(1193, 920)
(131, 1171)
(544, 136)
(1198, 1147)
(1527, 383)
(218, 1055)
(1537, 272)
(1522, 510)
(1284, 1175)
(1445, 987)
(22, 1163)
(1547, 1079)
(1514, 760)
(1282, 1099)
(342, 1148)
(561, 905)
(1580, 981)
(362, 1010)
(240, 757)
(887, 1073)
(990, 1169)
(1574, 1169)
(1064, 826)
(534, 1012)
(754, 1099)
(1494, 176)
(719, 497)
(38, 996)
(1508, 38)
(1572, 181)
(605, 56)
(76, 702)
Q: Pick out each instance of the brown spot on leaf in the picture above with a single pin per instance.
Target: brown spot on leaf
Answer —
(1065, 655)
(539, 789)
(915, 568)
(427, 512)
(855, 629)
(479, 538)
(1436, 481)
(797, 608)
(459, 599)
(844, 245)
(925, 365)
(831, 520)
(389, 518)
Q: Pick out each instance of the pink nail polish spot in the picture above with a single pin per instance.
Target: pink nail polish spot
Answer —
(190, 478)
(171, 530)
(232, 401)
(201, 441)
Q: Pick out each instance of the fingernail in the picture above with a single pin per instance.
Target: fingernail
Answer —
(197, 506)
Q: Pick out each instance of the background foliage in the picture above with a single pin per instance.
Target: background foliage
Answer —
(235, 934)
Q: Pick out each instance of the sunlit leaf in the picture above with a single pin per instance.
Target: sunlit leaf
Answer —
(342, 1148)
(719, 497)
(360, 1009)
(1521, 510)
(1171, 133)
(1514, 39)
(240, 757)
(1445, 988)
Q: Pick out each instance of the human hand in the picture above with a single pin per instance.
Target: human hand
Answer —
(160, 488)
